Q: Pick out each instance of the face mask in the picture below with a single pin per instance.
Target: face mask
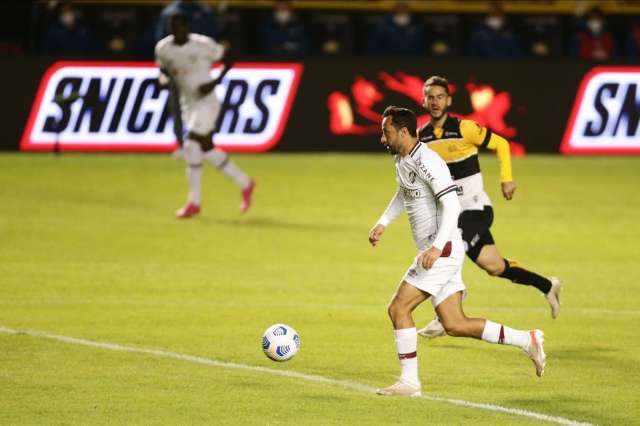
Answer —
(282, 16)
(494, 22)
(401, 19)
(68, 18)
(595, 25)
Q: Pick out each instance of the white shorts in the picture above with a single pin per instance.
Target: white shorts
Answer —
(200, 115)
(442, 280)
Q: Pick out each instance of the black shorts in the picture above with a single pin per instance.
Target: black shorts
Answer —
(475, 226)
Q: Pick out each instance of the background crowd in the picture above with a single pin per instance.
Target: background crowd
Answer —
(112, 28)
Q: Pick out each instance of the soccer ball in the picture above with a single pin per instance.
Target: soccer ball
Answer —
(280, 342)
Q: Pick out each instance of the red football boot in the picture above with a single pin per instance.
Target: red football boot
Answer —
(187, 211)
(246, 197)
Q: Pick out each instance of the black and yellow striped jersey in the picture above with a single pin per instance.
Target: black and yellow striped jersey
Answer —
(457, 143)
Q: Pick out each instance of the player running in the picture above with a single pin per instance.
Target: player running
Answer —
(186, 59)
(457, 142)
(428, 194)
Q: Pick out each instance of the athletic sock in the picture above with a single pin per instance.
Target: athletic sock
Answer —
(519, 275)
(407, 343)
(498, 333)
(221, 161)
(193, 156)
(194, 176)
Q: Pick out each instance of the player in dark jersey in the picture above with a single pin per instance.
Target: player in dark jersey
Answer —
(457, 141)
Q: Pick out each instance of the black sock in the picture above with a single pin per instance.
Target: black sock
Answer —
(519, 275)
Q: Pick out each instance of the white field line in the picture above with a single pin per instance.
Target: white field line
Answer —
(290, 374)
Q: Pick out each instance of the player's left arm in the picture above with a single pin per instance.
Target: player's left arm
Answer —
(217, 52)
(485, 138)
(436, 174)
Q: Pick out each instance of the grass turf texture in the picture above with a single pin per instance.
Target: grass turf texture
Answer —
(89, 248)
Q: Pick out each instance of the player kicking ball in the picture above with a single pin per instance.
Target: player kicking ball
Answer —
(186, 59)
(428, 194)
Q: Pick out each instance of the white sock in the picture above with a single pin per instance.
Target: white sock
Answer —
(222, 162)
(498, 333)
(193, 157)
(194, 176)
(407, 343)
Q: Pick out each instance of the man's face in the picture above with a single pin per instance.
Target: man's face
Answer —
(436, 101)
(390, 136)
(179, 28)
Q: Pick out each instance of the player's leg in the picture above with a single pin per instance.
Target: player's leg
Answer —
(193, 156)
(484, 253)
(204, 119)
(457, 324)
(473, 224)
(402, 304)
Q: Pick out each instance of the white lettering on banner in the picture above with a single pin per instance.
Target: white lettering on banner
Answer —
(606, 113)
(117, 106)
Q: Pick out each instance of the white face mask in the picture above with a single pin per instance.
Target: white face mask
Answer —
(494, 22)
(595, 25)
(282, 16)
(68, 18)
(401, 19)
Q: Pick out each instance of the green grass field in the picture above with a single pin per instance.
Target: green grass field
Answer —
(89, 248)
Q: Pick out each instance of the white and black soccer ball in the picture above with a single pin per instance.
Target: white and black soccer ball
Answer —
(280, 342)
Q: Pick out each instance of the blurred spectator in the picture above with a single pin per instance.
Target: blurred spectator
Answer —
(66, 33)
(397, 34)
(493, 38)
(633, 42)
(282, 32)
(332, 34)
(593, 41)
(201, 19)
(117, 29)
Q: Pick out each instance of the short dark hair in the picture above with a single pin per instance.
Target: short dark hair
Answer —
(402, 117)
(180, 15)
(436, 80)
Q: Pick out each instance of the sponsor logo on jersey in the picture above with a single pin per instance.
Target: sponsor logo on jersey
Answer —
(606, 113)
(411, 193)
(118, 106)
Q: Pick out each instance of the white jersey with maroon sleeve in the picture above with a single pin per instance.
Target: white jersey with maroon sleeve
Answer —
(423, 177)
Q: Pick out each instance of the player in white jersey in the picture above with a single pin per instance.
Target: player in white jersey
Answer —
(186, 59)
(428, 194)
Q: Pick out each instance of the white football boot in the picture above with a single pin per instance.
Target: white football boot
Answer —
(535, 351)
(553, 297)
(401, 388)
(433, 329)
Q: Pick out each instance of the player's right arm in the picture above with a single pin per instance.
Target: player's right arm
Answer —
(164, 78)
(393, 210)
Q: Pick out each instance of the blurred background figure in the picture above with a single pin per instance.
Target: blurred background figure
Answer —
(592, 41)
(281, 33)
(200, 17)
(493, 38)
(633, 42)
(67, 33)
(397, 34)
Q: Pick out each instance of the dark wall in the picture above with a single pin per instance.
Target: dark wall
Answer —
(527, 102)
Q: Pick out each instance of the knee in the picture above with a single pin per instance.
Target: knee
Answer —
(396, 310)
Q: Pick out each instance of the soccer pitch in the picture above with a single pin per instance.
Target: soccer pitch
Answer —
(114, 312)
